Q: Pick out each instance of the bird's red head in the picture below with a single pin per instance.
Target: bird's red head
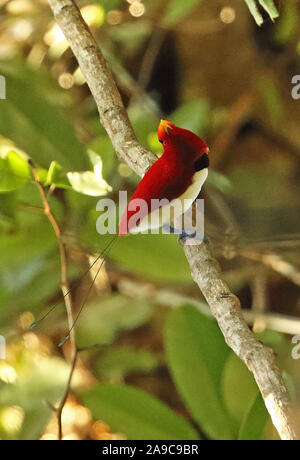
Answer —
(186, 141)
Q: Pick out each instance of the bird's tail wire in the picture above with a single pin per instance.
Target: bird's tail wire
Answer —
(103, 254)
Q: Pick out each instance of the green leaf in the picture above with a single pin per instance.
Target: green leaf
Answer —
(119, 362)
(196, 353)
(103, 319)
(143, 254)
(14, 172)
(136, 414)
(37, 125)
(239, 388)
(177, 10)
(255, 420)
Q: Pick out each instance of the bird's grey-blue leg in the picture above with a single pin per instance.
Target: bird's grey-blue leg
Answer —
(182, 234)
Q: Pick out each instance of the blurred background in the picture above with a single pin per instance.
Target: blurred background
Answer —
(153, 363)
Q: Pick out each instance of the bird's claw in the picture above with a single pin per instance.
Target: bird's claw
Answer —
(192, 235)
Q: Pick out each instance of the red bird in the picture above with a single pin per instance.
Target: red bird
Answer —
(177, 176)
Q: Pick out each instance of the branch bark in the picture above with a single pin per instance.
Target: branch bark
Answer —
(205, 270)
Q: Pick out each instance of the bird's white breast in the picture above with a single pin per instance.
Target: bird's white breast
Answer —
(161, 216)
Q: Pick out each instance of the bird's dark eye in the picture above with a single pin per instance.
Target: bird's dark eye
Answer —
(162, 142)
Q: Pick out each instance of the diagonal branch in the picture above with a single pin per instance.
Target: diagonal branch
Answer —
(205, 270)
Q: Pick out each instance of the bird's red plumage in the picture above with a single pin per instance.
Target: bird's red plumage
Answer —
(170, 176)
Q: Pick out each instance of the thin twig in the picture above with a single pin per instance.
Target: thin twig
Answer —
(65, 396)
(205, 270)
(65, 291)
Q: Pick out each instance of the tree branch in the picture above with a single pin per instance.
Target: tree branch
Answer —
(224, 306)
(66, 295)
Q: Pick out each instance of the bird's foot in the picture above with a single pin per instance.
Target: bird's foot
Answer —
(182, 234)
(190, 235)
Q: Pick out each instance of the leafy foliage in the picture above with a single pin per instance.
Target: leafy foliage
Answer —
(36, 125)
(254, 422)
(196, 354)
(14, 172)
(142, 363)
(137, 414)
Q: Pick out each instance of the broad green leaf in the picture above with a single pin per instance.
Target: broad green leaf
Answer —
(239, 388)
(115, 364)
(255, 420)
(36, 125)
(158, 257)
(136, 414)
(196, 353)
(104, 318)
(14, 172)
(177, 10)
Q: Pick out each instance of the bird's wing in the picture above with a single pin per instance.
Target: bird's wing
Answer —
(161, 182)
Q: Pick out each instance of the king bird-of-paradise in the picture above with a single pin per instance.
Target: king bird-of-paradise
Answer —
(174, 180)
(176, 177)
